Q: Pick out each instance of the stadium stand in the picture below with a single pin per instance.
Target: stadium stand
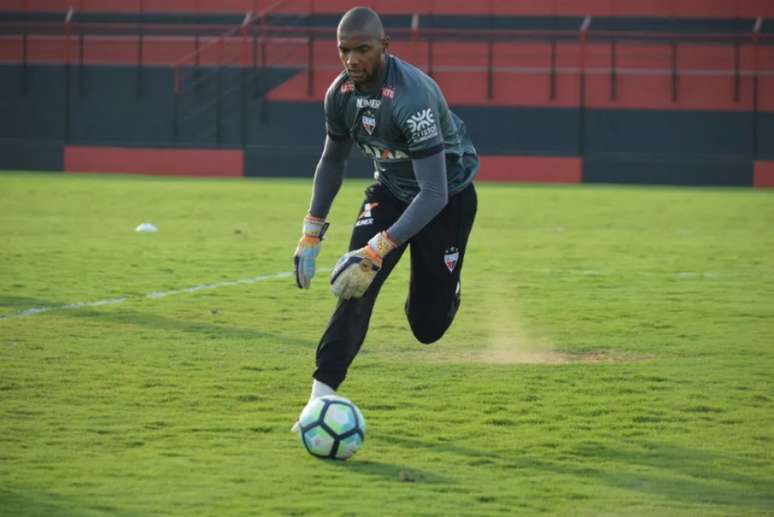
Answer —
(631, 8)
(650, 91)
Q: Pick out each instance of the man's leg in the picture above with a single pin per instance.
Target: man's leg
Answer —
(437, 254)
(348, 326)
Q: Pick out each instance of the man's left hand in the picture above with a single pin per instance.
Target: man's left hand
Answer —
(355, 271)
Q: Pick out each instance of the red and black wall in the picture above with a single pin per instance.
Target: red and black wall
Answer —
(117, 119)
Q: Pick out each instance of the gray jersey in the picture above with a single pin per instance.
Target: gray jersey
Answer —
(405, 118)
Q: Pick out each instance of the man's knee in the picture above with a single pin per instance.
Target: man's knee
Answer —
(427, 334)
(430, 326)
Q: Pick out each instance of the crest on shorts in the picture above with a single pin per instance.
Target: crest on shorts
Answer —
(450, 258)
(369, 122)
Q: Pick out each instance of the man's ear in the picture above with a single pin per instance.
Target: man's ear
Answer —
(385, 43)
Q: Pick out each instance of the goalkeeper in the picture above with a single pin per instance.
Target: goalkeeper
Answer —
(423, 197)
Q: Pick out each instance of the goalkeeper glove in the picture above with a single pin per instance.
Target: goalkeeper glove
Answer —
(307, 250)
(355, 271)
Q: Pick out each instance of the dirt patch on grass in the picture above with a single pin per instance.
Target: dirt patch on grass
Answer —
(515, 356)
(500, 355)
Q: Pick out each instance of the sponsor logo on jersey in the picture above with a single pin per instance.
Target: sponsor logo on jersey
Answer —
(346, 86)
(368, 103)
(388, 92)
(422, 125)
(378, 153)
(450, 258)
(369, 123)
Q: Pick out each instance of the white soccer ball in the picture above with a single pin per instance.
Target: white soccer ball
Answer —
(332, 427)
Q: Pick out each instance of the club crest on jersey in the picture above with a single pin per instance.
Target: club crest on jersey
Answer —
(450, 258)
(388, 92)
(369, 123)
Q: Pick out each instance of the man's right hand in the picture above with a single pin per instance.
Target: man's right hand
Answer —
(307, 250)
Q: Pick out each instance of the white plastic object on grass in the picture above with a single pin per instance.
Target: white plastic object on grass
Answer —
(146, 228)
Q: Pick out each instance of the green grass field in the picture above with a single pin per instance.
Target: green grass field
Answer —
(614, 355)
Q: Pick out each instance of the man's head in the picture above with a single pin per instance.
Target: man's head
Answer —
(362, 45)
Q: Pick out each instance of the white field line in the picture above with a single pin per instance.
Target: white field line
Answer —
(264, 278)
(152, 295)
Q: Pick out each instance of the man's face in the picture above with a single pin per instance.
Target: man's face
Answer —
(361, 56)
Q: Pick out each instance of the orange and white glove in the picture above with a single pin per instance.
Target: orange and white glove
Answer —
(307, 250)
(355, 271)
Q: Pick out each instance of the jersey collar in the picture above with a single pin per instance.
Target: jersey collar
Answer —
(380, 84)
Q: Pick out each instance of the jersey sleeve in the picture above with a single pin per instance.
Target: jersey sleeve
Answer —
(418, 120)
(335, 126)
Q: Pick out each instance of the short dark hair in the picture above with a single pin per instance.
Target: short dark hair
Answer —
(362, 19)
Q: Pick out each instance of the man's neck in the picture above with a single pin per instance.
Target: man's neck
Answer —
(376, 84)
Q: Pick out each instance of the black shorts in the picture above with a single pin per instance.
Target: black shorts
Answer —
(437, 256)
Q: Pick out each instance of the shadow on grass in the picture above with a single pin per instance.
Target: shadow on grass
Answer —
(19, 303)
(203, 328)
(693, 476)
(51, 505)
(414, 443)
(390, 472)
(154, 321)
